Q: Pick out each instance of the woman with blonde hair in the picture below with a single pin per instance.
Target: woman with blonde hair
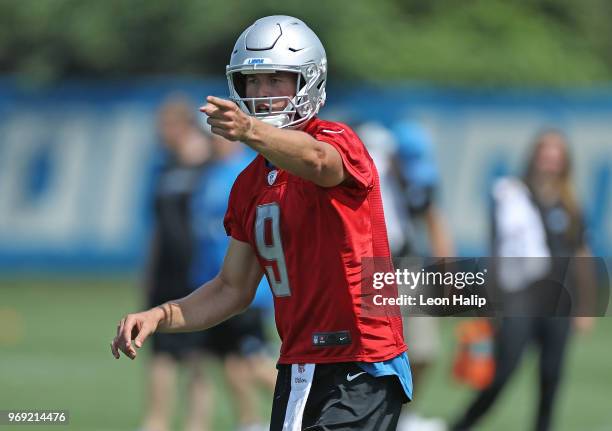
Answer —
(536, 219)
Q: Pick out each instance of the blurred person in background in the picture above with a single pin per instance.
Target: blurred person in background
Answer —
(536, 216)
(240, 342)
(417, 173)
(170, 259)
(409, 179)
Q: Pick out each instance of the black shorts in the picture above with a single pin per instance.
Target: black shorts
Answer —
(242, 335)
(168, 286)
(338, 396)
(178, 345)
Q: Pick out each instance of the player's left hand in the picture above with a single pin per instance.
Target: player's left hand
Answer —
(227, 119)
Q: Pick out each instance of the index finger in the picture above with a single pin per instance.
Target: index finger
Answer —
(221, 103)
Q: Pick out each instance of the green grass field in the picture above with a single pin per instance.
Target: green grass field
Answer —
(54, 354)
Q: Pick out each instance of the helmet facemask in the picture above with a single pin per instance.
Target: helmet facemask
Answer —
(309, 94)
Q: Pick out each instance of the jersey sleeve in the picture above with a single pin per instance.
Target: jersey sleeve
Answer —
(355, 157)
(232, 220)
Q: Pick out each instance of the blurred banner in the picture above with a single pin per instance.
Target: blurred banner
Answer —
(77, 160)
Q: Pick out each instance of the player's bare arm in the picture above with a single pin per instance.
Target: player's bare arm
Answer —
(229, 293)
(292, 150)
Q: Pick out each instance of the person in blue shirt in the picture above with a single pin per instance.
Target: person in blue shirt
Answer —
(404, 157)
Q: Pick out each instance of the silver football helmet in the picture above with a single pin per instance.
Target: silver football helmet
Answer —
(280, 43)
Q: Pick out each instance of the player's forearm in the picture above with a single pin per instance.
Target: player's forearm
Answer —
(207, 306)
(291, 150)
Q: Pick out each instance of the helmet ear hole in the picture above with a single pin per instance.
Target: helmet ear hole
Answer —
(239, 83)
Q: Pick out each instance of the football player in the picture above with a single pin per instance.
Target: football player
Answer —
(305, 212)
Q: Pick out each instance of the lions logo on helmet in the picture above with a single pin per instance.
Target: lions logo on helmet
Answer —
(280, 43)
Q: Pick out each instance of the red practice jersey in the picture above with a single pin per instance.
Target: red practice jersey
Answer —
(310, 241)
